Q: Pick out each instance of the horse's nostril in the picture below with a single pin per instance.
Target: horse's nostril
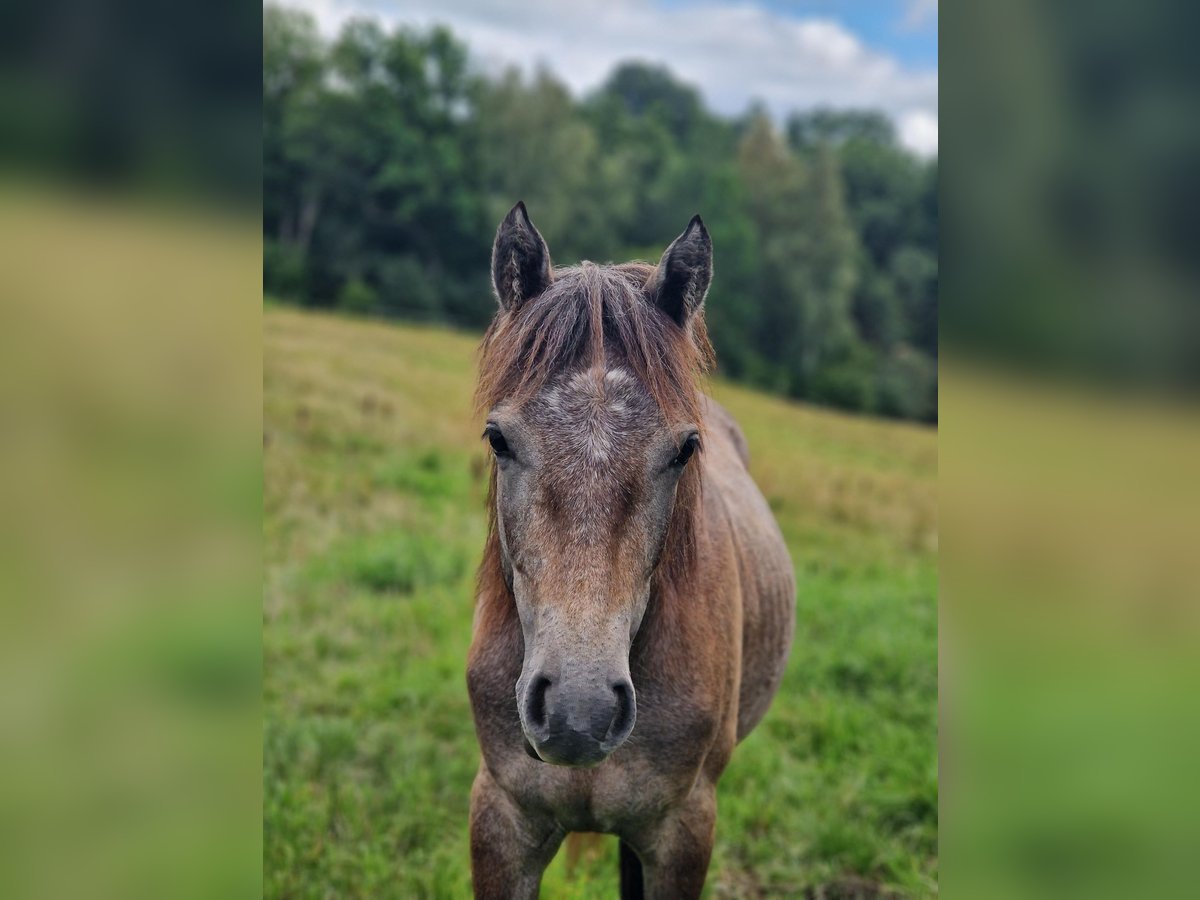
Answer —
(622, 721)
(535, 702)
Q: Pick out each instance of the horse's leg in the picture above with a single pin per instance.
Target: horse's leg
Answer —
(509, 849)
(632, 887)
(675, 852)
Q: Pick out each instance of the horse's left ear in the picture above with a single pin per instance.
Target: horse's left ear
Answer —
(684, 273)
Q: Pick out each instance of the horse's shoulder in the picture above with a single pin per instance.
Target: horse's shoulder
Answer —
(718, 418)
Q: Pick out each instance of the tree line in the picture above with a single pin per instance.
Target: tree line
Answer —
(388, 159)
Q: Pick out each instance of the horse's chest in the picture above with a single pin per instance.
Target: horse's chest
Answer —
(618, 794)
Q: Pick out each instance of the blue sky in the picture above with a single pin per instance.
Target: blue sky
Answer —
(902, 28)
(787, 54)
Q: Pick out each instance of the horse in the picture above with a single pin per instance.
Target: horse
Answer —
(635, 602)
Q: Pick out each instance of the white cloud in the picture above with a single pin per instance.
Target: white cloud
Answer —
(920, 12)
(734, 52)
(919, 130)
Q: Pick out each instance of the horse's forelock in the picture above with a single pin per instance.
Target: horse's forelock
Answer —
(587, 316)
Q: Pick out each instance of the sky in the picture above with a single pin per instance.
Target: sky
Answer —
(788, 54)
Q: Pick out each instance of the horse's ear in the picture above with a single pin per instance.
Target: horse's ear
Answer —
(681, 281)
(520, 260)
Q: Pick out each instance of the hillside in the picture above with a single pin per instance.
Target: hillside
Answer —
(373, 522)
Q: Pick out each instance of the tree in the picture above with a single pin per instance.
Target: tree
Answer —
(536, 148)
(825, 127)
(884, 186)
(652, 92)
(367, 139)
(807, 252)
(293, 68)
(914, 273)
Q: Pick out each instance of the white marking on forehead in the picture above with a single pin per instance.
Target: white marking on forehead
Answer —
(597, 410)
(584, 379)
(617, 376)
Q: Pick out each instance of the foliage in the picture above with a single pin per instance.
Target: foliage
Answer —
(388, 160)
(357, 296)
(374, 518)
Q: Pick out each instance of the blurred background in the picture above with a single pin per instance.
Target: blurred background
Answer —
(1069, 449)
(130, 450)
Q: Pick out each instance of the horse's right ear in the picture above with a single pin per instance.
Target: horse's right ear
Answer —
(520, 260)
(680, 282)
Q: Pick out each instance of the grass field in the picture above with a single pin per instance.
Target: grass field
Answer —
(373, 523)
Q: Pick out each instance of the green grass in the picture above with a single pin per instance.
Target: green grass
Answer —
(374, 520)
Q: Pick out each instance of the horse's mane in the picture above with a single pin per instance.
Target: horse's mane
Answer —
(588, 316)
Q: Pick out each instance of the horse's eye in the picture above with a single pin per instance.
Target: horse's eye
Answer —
(496, 439)
(690, 446)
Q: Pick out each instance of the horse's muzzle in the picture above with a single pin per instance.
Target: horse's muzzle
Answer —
(577, 724)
